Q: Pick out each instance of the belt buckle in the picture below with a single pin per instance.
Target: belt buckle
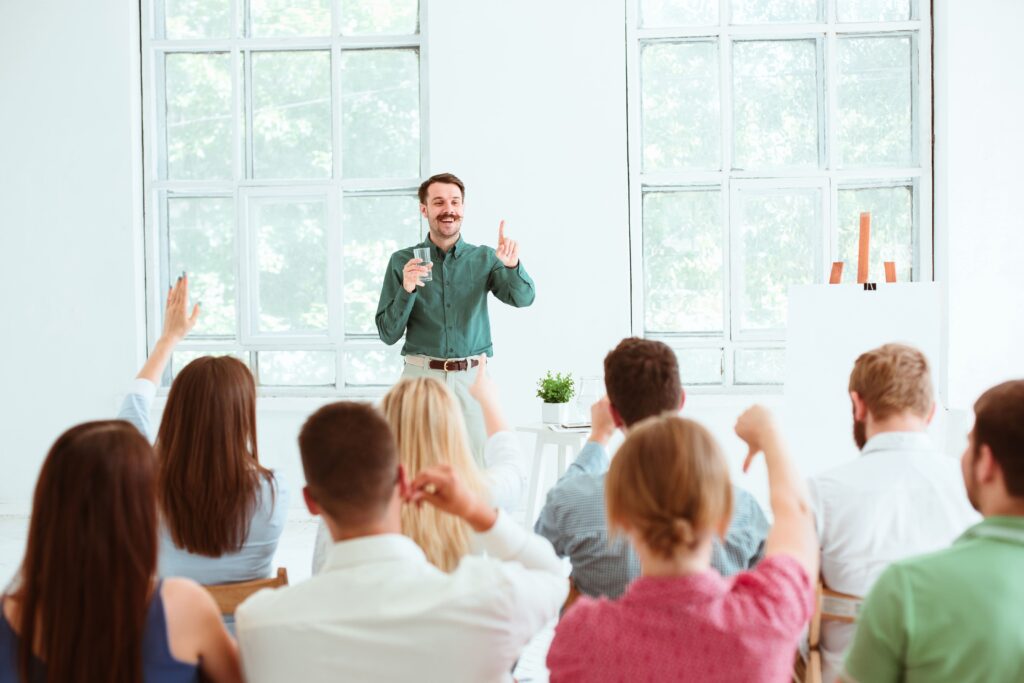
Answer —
(446, 362)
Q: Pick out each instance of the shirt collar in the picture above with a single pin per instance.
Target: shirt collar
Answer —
(898, 441)
(373, 549)
(455, 250)
(1008, 529)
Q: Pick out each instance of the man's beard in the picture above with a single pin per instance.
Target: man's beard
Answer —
(860, 435)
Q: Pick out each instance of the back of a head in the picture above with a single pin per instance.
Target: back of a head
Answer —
(893, 379)
(641, 377)
(350, 461)
(209, 473)
(999, 424)
(83, 590)
(669, 482)
(430, 430)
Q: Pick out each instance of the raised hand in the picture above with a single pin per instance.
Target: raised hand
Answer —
(413, 272)
(602, 426)
(508, 249)
(757, 428)
(483, 389)
(177, 321)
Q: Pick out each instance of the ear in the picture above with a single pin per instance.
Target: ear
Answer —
(931, 414)
(616, 417)
(423, 210)
(860, 408)
(404, 489)
(986, 467)
(682, 398)
(311, 504)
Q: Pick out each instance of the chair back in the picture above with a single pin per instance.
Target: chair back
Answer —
(229, 596)
(829, 605)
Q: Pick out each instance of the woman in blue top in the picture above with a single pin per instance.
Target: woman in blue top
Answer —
(222, 512)
(86, 604)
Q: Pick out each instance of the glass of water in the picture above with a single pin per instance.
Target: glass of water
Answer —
(423, 254)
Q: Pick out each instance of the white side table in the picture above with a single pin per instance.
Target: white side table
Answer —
(548, 437)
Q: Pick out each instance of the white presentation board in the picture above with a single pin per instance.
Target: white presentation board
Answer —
(829, 326)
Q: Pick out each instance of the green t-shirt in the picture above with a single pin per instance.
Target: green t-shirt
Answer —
(447, 318)
(954, 616)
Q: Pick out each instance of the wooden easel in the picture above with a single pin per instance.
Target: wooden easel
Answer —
(863, 259)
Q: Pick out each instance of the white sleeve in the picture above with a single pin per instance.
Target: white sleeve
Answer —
(506, 471)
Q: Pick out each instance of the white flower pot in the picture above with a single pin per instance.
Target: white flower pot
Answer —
(554, 413)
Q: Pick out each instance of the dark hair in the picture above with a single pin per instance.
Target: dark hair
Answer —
(641, 377)
(84, 587)
(447, 178)
(350, 460)
(999, 424)
(209, 470)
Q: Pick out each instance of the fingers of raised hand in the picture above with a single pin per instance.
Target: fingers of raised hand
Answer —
(751, 454)
(501, 232)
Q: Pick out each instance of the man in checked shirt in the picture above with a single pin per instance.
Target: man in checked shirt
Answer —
(641, 378)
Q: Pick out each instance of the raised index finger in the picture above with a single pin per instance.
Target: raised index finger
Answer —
(501, 231)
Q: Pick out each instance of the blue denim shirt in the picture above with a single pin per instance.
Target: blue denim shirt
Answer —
(573, 519)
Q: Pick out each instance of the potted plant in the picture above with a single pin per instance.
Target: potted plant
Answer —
(555, 390)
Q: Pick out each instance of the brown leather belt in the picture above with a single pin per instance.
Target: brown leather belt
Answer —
(453, 365)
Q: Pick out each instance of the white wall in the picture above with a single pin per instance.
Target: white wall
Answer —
(527, 105)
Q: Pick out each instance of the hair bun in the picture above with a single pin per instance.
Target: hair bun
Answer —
(665, 534)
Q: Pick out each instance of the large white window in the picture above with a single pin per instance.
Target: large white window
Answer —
(283, 147)
(759, 130)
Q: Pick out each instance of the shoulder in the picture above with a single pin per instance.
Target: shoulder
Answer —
(582, 627)
(401, 257)
(186, 603)
(579, 496)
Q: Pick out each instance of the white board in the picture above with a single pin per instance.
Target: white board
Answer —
(829, 326)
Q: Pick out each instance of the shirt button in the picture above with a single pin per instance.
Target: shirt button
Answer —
(448, 305)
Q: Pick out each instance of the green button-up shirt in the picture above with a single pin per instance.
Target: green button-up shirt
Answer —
(447, 317)
(954, 616)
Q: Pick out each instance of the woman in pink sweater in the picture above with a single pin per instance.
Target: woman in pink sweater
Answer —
(668, 491)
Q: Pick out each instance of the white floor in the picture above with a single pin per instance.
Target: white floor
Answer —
(295, 552)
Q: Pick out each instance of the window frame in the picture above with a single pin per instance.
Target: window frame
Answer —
(827, 31)
(243, 187)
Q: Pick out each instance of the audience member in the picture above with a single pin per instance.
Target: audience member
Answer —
(642, 380)
(668, 490)
(428, 425)
(380, 610)
(222, 511)
(900, 498)
(86, 604)
(954, 616)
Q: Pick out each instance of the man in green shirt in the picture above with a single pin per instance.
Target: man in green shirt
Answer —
(957, 615)
(445, 319)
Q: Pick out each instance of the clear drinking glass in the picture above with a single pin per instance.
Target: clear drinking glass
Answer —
(423, 254)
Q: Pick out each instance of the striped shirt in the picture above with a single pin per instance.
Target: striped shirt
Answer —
(573, 519)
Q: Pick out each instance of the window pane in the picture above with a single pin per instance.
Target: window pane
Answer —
(197, 18)
(892, 231)
(764, 11)
(683, 261)
(290, 17)
(778, 231)
(198, 93)
(372, 367)
(392, 17)
(373, 228)
(296, 368)
(875, 102)
(201, 236)
(681, 120)
(657, 13)
(699, 366)
(180, 359)
(380, 95)
(873, 10)
(291, 256)
(291, 110)
(760, 366)
(775, 88)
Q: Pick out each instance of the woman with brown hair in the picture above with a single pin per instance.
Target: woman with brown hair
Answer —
(668, 490)
(222, 512)
(86, 604)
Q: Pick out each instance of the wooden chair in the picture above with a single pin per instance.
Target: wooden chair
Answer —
(574, 593)
(829, 605)
(230, 595)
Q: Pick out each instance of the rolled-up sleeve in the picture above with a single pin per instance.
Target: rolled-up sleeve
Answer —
(137, 405)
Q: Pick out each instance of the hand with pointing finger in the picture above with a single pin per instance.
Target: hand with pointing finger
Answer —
(757, 428)
(508, 249)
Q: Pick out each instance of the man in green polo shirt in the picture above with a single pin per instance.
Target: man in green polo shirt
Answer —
(957, 615)
(445, 319)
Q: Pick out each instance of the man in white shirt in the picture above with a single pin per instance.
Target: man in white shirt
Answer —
(379, 611)
(899, 498)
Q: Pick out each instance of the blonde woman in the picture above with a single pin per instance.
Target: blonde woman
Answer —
(430, 430)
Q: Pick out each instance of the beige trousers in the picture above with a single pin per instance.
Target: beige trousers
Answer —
(459, 382)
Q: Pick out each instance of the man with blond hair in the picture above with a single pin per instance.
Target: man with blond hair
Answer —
(900, 498)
